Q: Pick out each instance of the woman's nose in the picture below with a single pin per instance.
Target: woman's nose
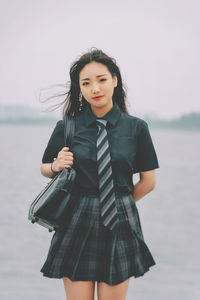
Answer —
(95, 88)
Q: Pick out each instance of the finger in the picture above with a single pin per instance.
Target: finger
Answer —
(68, 166)
(68, 161)
(67, 154)
(66, 158)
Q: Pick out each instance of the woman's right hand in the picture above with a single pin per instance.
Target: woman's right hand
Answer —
(64, 160)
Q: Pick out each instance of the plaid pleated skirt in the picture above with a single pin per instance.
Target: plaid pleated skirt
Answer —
(86, 250)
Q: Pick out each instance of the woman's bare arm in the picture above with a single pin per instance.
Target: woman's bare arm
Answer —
(45, 170)
(145, 185)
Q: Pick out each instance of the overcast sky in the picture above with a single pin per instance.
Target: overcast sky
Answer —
(155, 42)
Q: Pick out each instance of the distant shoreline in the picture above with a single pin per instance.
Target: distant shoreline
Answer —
(42, 121)
(25, 115)
(183, 123)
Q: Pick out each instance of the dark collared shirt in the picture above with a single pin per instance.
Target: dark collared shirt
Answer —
(131, 149)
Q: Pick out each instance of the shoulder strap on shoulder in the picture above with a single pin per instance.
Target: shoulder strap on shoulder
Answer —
(69, 128)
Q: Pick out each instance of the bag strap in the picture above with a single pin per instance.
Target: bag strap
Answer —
(69, 129)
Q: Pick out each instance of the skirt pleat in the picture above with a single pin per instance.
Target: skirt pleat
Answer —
(85, 250)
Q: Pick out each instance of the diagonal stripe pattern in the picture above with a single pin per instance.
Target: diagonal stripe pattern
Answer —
(106, 187)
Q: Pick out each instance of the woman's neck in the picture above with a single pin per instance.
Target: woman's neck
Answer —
(99, 112)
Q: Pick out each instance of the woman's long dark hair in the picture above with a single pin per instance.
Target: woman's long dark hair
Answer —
(71, 101)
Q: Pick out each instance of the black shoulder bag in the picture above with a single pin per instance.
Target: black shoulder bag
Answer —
(50, 207)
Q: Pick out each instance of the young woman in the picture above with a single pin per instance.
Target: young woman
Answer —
(103, 239)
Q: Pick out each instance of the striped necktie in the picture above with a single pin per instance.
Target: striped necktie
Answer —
(106, 186)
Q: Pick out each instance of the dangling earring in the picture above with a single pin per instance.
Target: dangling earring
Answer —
(80, 101)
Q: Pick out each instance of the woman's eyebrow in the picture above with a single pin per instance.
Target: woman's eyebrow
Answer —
(96, 76)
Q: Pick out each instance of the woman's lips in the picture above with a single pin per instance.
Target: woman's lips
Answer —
(98, 98)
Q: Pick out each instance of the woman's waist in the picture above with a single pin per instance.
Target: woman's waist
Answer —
(80, 191)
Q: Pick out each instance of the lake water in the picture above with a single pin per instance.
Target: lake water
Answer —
(169, 216)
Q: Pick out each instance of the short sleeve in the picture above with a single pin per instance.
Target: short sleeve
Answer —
(55, 144)
(146, 158)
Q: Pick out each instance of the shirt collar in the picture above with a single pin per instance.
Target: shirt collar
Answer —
(111, 116)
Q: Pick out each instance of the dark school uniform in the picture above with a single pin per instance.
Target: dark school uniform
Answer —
(84, 249)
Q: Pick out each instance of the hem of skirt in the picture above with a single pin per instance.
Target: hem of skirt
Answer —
(113, 282)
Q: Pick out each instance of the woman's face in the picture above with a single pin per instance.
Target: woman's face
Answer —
(96, 80)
